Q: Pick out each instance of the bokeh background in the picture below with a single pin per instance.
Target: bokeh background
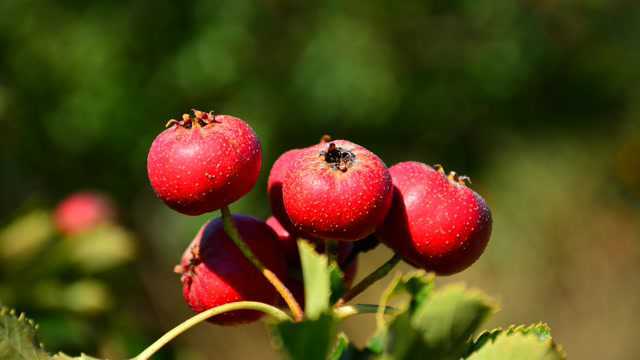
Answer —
(537, 100)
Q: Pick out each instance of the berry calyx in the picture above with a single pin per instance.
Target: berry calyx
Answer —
(436, 222)
(81, 212)
(337, 190)
(204, 162)
(215, 272)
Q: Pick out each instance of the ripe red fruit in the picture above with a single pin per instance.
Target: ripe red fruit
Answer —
(337, 190)
(274, 188)
(436, 222)
(215, 272)
(82, 211)
(288, 242)
(202, 164)
(347, 263)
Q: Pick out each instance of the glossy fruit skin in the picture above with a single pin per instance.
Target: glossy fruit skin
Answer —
(341, 201)
(435, 223)
(82, 211)
(199, 169)
(289, 245)
(277, 174)
(215, 272)
(288, 242)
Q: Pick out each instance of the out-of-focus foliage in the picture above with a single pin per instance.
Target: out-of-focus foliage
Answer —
(68, 282)
(535, 100)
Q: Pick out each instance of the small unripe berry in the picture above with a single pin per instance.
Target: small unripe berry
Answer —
(215, 272)
(436, 222)
(202, 164)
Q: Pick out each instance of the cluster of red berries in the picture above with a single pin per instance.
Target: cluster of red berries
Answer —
(333, 190)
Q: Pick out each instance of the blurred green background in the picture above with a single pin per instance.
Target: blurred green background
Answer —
(538, 101)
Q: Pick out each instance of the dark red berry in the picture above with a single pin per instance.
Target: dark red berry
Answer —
(215, 272)
(274, 188)
(436, 222)
(288, 242)
(347, 262)
(337, 190)
(203, 163)
(82, 211)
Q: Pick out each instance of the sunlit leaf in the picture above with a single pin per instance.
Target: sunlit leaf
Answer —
(541, 330)
(518, 346)
(18, 338)
(317, 280)
(449, 317)
(310, 339)
(433, 324)
(336, 279)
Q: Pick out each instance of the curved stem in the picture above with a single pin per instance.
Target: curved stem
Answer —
(376, 275)
(232, 231)
(187, 324)
(349, 310)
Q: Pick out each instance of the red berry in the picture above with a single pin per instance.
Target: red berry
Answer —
(274, 187)
(82, 211)
(215, 272)
(436, 222)
(288, 242)
(337, 190)
(289, 245)
(202, 164)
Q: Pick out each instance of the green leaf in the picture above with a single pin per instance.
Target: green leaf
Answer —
(336, 279)
(417, 284)
(344, 350)
(399, 338)
(433, 324)
(317, 283)
(518, 346)
(448, 319)
(310, 339)
(541, 330)
(342, 344)
(18, 338)
(398, 341)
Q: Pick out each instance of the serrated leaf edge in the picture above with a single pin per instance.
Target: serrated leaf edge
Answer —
(522, 329)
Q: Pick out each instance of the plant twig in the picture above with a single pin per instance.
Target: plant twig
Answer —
(376, 275)
(232, 231)
(331, 249)
(196, 319)
(349, 310)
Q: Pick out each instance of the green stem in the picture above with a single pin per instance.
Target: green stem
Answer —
(187, 324)
(376, 275)
(232, 231)
(331, 249)
(349, 310)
